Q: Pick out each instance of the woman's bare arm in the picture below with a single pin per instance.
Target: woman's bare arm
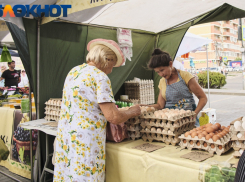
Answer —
(115, 116)
(198, 91)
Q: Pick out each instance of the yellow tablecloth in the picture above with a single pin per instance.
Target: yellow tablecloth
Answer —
(124, 164)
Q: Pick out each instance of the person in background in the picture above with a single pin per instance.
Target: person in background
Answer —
(12, 77)
(24, 80)
(3, 68)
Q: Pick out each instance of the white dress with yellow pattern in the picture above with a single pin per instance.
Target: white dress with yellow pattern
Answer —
(80, 147)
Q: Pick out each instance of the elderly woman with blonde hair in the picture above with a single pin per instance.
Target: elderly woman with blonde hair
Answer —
(87, 105)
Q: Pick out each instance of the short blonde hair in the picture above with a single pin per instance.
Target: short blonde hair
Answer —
(100, 54)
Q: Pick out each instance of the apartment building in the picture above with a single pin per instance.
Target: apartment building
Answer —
(225, 44)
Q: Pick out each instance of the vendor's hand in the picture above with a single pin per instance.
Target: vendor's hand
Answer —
(143, 105)
(135, 109)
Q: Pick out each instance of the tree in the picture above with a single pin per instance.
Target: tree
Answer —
(238, 59)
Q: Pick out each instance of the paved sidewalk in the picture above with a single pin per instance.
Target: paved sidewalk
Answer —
(225, 92)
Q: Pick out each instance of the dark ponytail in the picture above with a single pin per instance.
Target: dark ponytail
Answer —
(159, 58)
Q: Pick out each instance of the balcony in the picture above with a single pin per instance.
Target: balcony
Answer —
(217, 24)
(227, 41)
(215, 31)
(225, 25)
(228, 34)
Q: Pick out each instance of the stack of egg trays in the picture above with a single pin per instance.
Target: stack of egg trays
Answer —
(165, 130)
(133, 127)
(237, 138)
(52, 109)
(219, 147)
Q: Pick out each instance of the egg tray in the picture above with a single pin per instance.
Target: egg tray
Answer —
(134, 127)
(233, 130)
(176, 131)
(234, 136)
(225, 139)
(167, 125)
(237, 145)
(52, 108)
(168, 139)
(52, 112)
(52, 118)
(133, 121)
(237, 154)
(150, 115)
(133, 135)
(216, 149)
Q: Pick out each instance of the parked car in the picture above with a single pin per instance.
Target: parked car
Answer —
(238, 68)
(228, 68)
(214, 69)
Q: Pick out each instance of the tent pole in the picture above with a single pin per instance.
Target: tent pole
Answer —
(208, 77)
(38, 66)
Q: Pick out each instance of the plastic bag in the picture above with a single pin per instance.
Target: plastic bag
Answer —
(5, 56)
(4, 152)
(116, 133)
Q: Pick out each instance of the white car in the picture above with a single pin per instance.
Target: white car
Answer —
(238, 68)
(214, 69)
(228, 68)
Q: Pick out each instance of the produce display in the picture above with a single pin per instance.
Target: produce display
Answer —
(121, 104)
(52, 109)
(214, 171)
(212, 138)
(237, 131)
(142, 90)
(21, 144)
(166, 125)
(15, 96)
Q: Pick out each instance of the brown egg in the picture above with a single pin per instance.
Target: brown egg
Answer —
(193, 134)
(227, 129)
(222, 133)
(205, 133)
(211, 134)
(205, 144)
(219, 131)
(222, 127)
(226, 132)
(198, 143)
(219, 135)
(207, 137)
(217, 124)
(198, 128)
(201, 135)
(201, 127)
(184, 140)
(191, 142)
(212, 146)
(215, 138)
(216, 132)
(220, 147)
(209, 124)
(199, 131)
(194, 129)
(187, 134)
(228, 126)
(210, 129)
(215, 127)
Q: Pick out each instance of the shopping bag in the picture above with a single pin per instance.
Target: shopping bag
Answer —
(5, 56)
(116, 133)
(4, 152)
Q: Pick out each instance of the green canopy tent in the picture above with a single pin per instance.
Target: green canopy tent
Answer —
(61, 45)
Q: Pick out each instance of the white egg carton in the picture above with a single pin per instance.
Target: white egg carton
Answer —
(133, 127)
(219, 147)
(168, 139)
(49, 107)
(52, 112)
(238, 124)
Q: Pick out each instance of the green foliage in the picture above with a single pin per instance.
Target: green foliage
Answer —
(238, 59)
(216, 80)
